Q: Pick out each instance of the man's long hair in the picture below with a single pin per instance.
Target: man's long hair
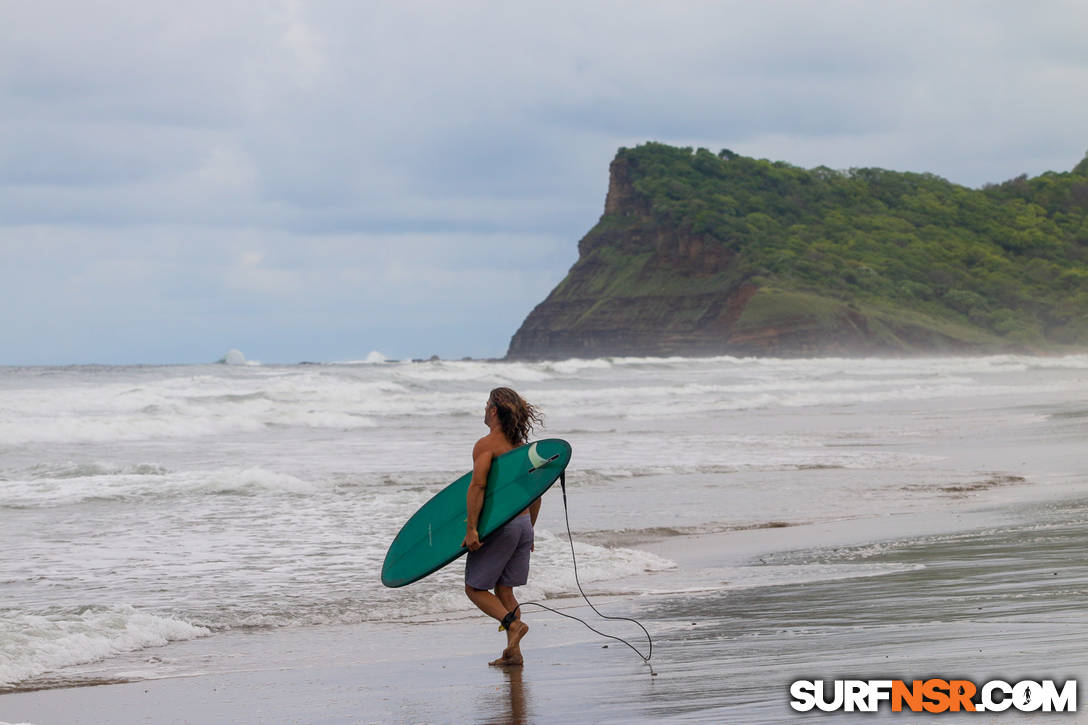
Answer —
(517, 418)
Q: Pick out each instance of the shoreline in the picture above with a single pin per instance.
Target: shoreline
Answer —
(435, 671)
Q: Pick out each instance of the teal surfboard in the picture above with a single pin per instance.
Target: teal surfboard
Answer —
(432, 537)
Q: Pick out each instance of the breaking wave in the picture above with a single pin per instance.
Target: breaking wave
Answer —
(35, 643)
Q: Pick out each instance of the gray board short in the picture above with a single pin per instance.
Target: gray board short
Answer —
(503, 560)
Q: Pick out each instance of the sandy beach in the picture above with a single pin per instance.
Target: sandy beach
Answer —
(981, 594)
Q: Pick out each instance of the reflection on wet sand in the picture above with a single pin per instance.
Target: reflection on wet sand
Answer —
(506, 702)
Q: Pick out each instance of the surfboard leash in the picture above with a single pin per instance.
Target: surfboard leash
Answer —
(570, 538)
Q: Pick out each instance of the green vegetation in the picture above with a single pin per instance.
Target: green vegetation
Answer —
(1005, 263)
(772, 306)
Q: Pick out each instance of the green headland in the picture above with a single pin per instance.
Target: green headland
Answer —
(700, 253)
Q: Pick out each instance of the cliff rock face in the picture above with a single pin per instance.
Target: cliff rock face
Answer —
(580, 319)
(638, 289)
(698, 254)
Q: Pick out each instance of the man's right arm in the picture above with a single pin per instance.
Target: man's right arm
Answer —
(474, 499)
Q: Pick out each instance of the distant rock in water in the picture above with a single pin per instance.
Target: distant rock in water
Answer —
(707, 254)
(234, 357)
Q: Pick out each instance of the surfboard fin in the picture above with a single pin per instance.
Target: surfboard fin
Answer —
(537, 460)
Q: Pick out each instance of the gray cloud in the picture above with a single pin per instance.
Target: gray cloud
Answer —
(315, 180)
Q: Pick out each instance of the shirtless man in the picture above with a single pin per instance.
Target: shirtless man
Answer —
(502, 562)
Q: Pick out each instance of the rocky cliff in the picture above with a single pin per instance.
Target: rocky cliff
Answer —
(703, 254)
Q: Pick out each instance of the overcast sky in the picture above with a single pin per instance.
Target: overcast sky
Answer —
(317, 180)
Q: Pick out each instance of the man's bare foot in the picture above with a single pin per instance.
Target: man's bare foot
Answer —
(514, 633)
(511, 656)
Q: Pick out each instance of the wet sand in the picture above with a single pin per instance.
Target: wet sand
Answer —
(990, 593)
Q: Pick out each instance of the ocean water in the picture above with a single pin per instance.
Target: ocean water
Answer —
(147, 505)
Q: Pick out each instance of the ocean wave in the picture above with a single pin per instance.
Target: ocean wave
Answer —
(960, 489)
(51, 485)
(880, 366)
(35, 643)
(1068, 362)
(177, 409)
(630, 537)
(765, 460)
(575, 365)
(250, 400)
(72, 469)
(766, 575)
(492, 373)
(655, 402)
(67, 490)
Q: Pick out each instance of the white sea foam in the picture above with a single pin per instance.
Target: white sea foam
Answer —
(552, 576)
(251, 400)
(488, 374)
(182, 408)
(652, 402)
(34, 643)
(756, 576)
(374, 357)
(71, 469)
(155, 483)
(574, 366)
